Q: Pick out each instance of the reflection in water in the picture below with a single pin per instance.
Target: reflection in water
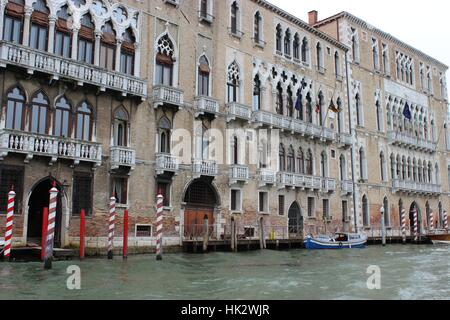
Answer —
(298, 274)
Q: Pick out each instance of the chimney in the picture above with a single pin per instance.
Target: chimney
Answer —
(313, 17)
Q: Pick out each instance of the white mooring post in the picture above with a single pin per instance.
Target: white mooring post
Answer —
(383, 227)
(159, 226)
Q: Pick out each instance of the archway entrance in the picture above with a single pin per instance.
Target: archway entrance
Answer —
(413, 208)
(201, 200)
(295, 222)
(39, 199)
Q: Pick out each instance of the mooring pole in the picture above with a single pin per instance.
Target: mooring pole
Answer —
(9, 223)
(159, 226)
(403, 226)
(416, 226)
(205, 233)
(125, 235)
(445, 221)
(112, 226)
(383, 228)
(82, 232)
(431, 226)
(262, 236)
(51, 227)
(233, 230)
(44, 232)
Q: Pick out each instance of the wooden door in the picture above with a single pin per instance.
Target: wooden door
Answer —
(194, 222)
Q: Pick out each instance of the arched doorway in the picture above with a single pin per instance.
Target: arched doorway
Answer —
(413, 208)
(39, 199)
(201, 200)
(295, 221)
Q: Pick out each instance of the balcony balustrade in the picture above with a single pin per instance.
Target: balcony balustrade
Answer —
(416, 187)
(122, 157)
(166, 163)
(239, 173)
(205, 104)
(404, 140)
(165, 95)
(237, 110)
(347, 187)
(58, 67)
(32, 144)
(294, 180)
(267, 177)
(207, 168)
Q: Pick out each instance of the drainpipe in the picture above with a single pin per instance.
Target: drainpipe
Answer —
(353, 146)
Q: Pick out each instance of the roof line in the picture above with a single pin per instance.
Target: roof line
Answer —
(301, 23)
(382, 33)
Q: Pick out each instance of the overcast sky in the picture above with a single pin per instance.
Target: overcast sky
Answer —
(423, 24)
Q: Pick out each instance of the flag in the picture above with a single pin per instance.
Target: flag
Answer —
(333, 108)
(407, 112)
(318, 108)
(298, 104)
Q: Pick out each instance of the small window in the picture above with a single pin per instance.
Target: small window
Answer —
(82, 194)
(311, 207)
(9, 177)
(143, 231)
(163, 188)
(249, 232)
(235, 202)
(120, 189)
(263, 202)
(333, 154)
(345, 211)
(326, 209)
(281, 205)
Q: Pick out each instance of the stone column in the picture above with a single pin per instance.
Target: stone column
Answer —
(26, 26)
(74, 53)
(118, 51)
(137, 59)
(51, 33)
(98, 35)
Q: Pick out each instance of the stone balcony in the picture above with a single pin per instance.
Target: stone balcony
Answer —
(32, 145)
(404, 140)
(165, 95)
(345, 140)
(237, 110)
(166, 163)
(58, 67)
(206, 168)
(347, 187)
(412, 187)
(294, 180)
(206, 105)
(294, 125)
(122, 157)
(266, 177)
(239, 173)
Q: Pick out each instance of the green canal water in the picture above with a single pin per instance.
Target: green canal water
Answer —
(407, 272)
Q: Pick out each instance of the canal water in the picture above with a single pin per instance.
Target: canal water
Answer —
(407, 272)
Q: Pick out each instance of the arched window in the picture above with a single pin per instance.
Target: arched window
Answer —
(204, 10)
(164, 133)
(342, 168)
(86, 39)
(39, 26)
(299, 104)
(164, 61)
(365, 211)
(257, 32)
(63, 41)
(291, 160)
(13, 21)
(300, 161)
(235, 152)
(108, 47)
(362, 164)
(203, 76)
(321, 108)
(15, 109)
(382, 167)
(379, 116)
(337, 64)
(308, 110)
(282, 158)
(256, 93)
(393, 175)
(309, 163)
(305, 50)
(319, 57)
(290, 102)
(296, 47)
(63, 118)
(358, 107)
(437, 179)
(233, 82)
(39, 113)
(127, 52)
(287, 42)
(279, 99)
(235, 18)
(84, 122)
(340, 116)
(355, 45)
(279, 37)
(375, 54)
(324, 164)
(263, 151)
(121, 123)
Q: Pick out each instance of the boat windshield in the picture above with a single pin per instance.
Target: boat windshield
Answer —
(341, 237)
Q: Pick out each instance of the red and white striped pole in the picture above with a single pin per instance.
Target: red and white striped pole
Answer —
(9, 223)
(51, 227)
(44, 232)
(82, 233)
(431, 226)
(445, 220)
(416, 226)
(159, 226)
(112, 226)
(125, 235)
(404, 226)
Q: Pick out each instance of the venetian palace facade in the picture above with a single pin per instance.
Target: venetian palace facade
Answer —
(224, 108)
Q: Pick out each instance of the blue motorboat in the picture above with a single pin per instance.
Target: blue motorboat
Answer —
(338, 241)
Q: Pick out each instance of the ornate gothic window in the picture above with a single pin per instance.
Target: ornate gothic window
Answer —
(39, 26)
(127, 53)
(279, 37)
(84, 122)
(257, 33)
(121, 124)
(164, 133)
(63, 41)
(233, 82)
(279, 99)
(309, 163)
(39, 113)
(165, 61)
(13, 21)
(63, 118)
(86, 40)
(291, 160)
(282, 158)
(108, 47)
(15, 109)
(203, 76)
(300, 161)
(296, 47)
(305, 50)
(287, 42)
(235, 18)
(256, 93)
